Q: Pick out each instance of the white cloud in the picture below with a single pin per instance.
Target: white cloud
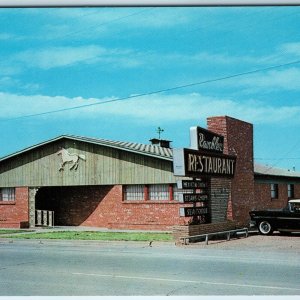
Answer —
(58, 56)
(5, 36)
(291, 48)
(135, 17)
(13, 105)
(11, 83)
(55, 57)
(189, 107)
(91, 23)
(287, 79)
(7, 81)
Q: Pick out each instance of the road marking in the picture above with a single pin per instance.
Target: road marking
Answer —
(187, 281)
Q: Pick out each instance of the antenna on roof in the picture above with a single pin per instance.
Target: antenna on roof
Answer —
(159, 141)
(159, 131)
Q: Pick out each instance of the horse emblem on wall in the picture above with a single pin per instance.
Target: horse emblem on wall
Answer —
(71, 158)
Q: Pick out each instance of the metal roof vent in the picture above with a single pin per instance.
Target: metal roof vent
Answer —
(161, 143)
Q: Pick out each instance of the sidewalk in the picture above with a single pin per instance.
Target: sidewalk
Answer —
(86, 228)
(76, 228)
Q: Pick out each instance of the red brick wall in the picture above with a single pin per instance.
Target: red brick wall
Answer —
(297, 191)
(148, 214)
(262, 199)
(238, 140)
(184, 231)
(14, 214)
(103, 206)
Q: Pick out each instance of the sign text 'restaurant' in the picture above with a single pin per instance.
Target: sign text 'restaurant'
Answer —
(210, 165)
(193, 163)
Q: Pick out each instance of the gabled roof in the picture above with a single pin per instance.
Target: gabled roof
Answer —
(272, 171)
(148, 150)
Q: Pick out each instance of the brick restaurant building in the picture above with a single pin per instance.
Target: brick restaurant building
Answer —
(124, 185)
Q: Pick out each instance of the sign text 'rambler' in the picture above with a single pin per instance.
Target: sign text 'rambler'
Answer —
(193, 163)
(202, 139)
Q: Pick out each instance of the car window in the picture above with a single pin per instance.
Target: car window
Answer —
(297, 208)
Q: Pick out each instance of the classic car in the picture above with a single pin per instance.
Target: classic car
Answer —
(284, 220)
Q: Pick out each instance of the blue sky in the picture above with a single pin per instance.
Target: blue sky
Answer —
(57, 58)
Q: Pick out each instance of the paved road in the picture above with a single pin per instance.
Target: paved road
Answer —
(31, 268)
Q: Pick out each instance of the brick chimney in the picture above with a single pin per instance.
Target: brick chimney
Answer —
(238, 140)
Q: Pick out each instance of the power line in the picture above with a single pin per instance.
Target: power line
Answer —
(275, 158)
(103, 23)
(278, 160)
(157, 91)
(178, 37)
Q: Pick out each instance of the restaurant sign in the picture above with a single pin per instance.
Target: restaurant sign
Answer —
(203, 139)
(192, 198)
(193, 211)
(195, 163)
(191, 184)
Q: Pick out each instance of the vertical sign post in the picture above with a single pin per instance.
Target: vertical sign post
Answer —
(203, 159)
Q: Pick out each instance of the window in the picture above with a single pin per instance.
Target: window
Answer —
(291, 191)
(294, 207)
(177, 192)
(134, 192)
(274, 190)
(159, 192)
(7, 194)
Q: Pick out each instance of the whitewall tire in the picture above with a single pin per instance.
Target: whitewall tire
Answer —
(265, 228)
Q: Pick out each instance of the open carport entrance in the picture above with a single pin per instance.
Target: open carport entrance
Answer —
(72, 206)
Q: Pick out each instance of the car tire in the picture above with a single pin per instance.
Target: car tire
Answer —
(265, 228)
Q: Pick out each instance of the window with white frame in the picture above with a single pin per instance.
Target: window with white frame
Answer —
(134, 192)
(159, 192)
(274, 190)
(7, 194)
(291, 191)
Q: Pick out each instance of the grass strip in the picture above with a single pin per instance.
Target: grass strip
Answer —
(98, 236)
(10, 231)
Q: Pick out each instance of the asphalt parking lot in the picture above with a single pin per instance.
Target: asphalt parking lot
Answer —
(274, 242)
